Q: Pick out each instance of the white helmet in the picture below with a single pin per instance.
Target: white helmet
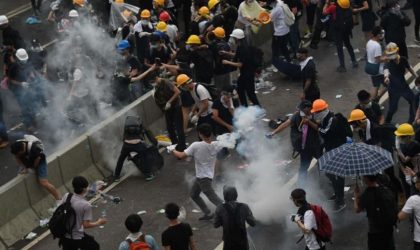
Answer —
(3, 20)
(238, 34)
(77, 75)
(73, 13)
(22, 55)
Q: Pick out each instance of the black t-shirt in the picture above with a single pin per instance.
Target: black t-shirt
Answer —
(164, 54)
(309, 72)
(397, 72)
(18, 72)
(243, 55)
(12, 37)
(133, 63)
(177, 237)
(203, 64)
(373, 113)
(225, 115)
(410, 149)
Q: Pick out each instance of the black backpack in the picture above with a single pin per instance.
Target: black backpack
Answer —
(63, 219)
(133, 128)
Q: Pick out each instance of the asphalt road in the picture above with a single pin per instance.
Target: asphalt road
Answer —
(172, 183)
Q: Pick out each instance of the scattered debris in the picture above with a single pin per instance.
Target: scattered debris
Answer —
(266, 92)
(141, 212)
(160, 211)
(44, 222)
(346, 189)
(30, 236)
(195, 229)
(265, 120)
(287, 89)
(196, 211)
(338, 96)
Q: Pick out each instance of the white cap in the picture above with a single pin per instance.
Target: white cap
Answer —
(22, 55)
(3, 20)
(73, 13)
(238, 33)
(77, 75)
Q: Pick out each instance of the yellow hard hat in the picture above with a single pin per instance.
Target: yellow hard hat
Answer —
(212, 3)
(319, 105)
(391, 48)
(193, 39)
(204, 11)
(145, 14)
(405, 129)
(160, 2)
(219, 32)
(356, 115)
(161, 26)
(182, 79)
(119, 1)
(344, 4)
(79, 2)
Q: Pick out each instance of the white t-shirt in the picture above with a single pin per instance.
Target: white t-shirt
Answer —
(204, 157)
(203, 94)
(373, 49)
(172, 31)
(277, 18)
(412, 206)
(310, 223)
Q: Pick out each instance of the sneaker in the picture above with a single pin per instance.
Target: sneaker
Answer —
(332, 198)
(116, 179)
(150, 177)
(313, 46)
(206, 217)
(355, 64)
(339, 207)
(307, 35)
(341, 69)
(323, 34)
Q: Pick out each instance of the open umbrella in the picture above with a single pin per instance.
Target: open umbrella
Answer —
(355, 159)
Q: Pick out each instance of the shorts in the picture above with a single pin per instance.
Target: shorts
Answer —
(378, 80)
(42, 169)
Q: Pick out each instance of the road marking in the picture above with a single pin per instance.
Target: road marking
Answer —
(19, 10)
(293, 180)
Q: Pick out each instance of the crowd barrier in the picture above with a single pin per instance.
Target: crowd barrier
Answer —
(24, 203)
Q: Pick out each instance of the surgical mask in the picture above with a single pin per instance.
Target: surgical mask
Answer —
(382, 35)
(367, 105)
(302, 114)
(392, 57)
(153, 46)
(184, 88)
(321, 115)
(23, 61)
(144, 22)
(188, 47)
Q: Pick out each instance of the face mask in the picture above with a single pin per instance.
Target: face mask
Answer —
(23, 61)
(321, 115)
(392, 57)
(188, 47)
(382, 35)
(184, 88)
(153, 46)
(302, 114)
(144, 22)
(417, 89)
(367, 105)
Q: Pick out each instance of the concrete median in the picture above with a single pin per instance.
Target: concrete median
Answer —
(17, 217)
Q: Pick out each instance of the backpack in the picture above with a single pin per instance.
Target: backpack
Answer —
(211, 88)
(289, 17)
(139, 244)
(133, 128)
(386, 208)
(63, 219)
(324, 227)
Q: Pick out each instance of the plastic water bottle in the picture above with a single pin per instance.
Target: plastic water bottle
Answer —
(349, 140)
(92, 189)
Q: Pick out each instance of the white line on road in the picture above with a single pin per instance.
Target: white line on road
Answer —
(18, 10)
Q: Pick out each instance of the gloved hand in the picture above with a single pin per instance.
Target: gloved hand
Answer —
(297, 218)
(269, 135)
(190, 115)
(25, 85)
(194, 119)
(168, 106)
(170, 148)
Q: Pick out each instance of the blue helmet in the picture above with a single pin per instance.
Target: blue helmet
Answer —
(123, 44)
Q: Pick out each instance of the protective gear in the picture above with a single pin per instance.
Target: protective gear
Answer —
(194, 119)
(212, 3)
(77, 75)
(182, 79)
(145, 22)
(25, 85)
(161, 26)
(319, 105)
(73, 13)
(219, 32)
(22, 55)
(238, 34)
(79, 2)
(193, 39)
(3, 20)
(344, 4)
(164, 16)
(319, 116)
(204, 11)
(127, 13)
(119, 1)
(391, 48)
(264, 17)
(123, 45)
(356, 115)
(188, 47)
(159, 2)
(145, 14)
(405, 129)
(392, 57)
(168, 105)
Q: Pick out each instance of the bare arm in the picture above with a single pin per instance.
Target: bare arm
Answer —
(282, 126)
(193, 246)
(89, 224)
(302, 227)
(402, 215)
(234, 64)
(364, 7)
(144, 74)
(179, 155)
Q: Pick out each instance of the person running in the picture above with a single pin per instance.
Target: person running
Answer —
(233, 216)
(204, 153)
(29, 153)
(133, 223)
(78, 239)
(244, 61)
(398, 87)
(179, 235)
